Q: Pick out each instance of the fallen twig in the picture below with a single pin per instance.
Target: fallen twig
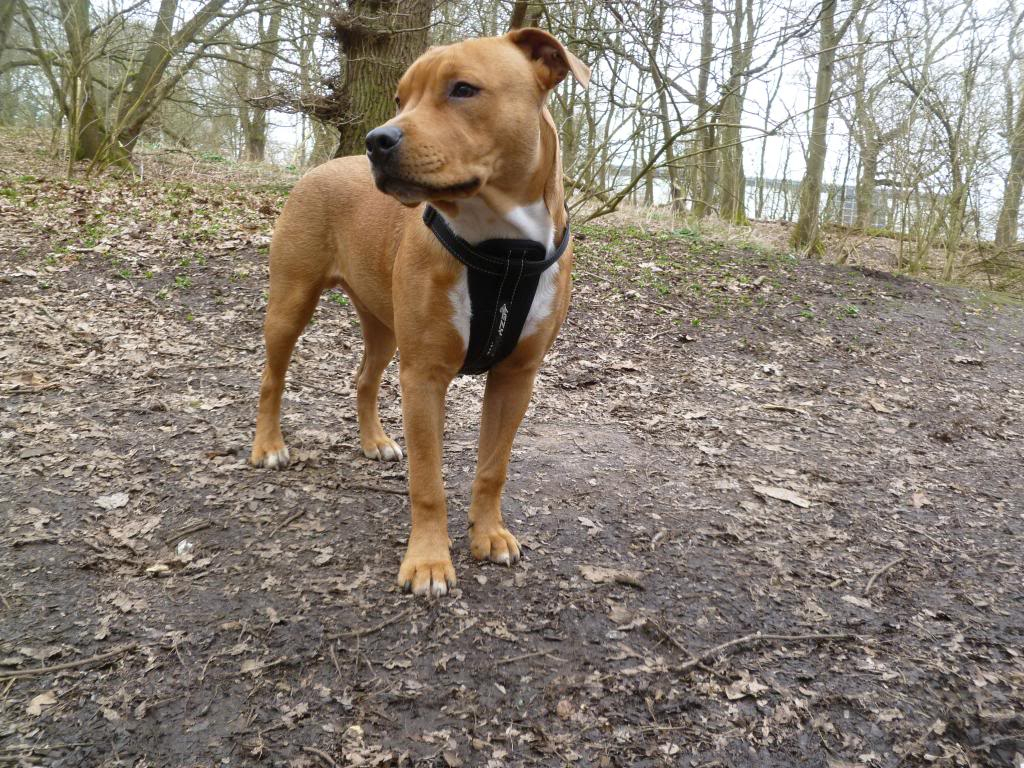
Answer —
(750, 639)
(786, 408)
(532, 655)
(321, 754)
(881, 572)
(678, 645)
(287, 521)
(69, 664)
(236, 347)
(375, 628)
(376, 488)
(194, 528)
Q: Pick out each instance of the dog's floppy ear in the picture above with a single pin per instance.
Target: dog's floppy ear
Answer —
(549, 57)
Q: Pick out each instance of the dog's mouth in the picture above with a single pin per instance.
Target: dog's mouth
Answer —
(411, 193)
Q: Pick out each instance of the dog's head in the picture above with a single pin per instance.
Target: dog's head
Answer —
(469, 116)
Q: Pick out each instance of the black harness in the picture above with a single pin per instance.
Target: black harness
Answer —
(503, 277)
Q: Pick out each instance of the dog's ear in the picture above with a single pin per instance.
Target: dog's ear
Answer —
(549, 57)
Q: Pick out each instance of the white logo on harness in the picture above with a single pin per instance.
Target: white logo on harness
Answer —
(503, 311)
(504, 317)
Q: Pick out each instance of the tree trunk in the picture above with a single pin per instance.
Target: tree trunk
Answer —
(254, 131)
(380, 39)
(95, 134)
(954, 223)
(806, 232)
(675, 187)
(6, 21)
(523, 15)
(866, 186)
(151, 84)
(252, 118)
(1009, 212)
(703, 182)
(88, 136)
(733, 182)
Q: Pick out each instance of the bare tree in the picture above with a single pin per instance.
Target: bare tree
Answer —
(1013, 79)
(805, 234)
(255, 70)
(877, 116)
(109, 92)
(732, 180)
(948, 92)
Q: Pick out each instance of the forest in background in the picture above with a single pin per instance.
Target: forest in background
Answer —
(899, 117)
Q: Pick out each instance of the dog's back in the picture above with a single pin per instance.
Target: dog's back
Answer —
(337, 229)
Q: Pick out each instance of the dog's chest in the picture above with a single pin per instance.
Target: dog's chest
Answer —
(476, 223)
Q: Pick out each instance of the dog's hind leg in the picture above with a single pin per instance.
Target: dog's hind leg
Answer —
(289, 309)
(378, 349)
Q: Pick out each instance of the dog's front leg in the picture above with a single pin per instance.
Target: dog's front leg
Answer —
(505, 401)
(427, 566)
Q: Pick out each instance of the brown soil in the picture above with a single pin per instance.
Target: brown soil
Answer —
(723, 442)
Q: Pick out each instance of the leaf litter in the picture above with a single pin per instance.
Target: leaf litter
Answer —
(839, 493)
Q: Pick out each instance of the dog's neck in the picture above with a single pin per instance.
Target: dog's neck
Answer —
(475, 220)
(492, 214)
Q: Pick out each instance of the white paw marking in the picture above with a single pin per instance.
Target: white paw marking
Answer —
(276, 460)
(439, 588)
(387, 452)
(432, 588)
(504, 558)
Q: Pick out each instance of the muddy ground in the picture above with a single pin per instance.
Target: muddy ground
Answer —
(725, 441)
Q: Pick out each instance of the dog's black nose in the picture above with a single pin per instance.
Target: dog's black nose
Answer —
(381, 142)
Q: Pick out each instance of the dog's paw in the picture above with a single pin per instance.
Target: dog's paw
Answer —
(427, 576)
(275, 458)
(382, 449)
(495, 544)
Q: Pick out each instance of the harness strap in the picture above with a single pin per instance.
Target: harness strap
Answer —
(502, 277)
(475, 257)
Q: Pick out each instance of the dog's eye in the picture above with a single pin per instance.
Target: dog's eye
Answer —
(398, 102)
(464, 91)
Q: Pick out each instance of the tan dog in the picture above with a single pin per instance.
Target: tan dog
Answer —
(473, 137)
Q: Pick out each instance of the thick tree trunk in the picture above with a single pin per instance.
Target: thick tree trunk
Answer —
(151, 83)
(255, 134)
(151, 68)
(6, 21)
(88, 134)
(806, 232)
(732, 180)
(105, 138)
(380, 39)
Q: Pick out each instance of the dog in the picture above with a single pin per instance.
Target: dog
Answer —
(469, 168)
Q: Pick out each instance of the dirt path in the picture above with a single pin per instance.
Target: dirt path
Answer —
(724, 442)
